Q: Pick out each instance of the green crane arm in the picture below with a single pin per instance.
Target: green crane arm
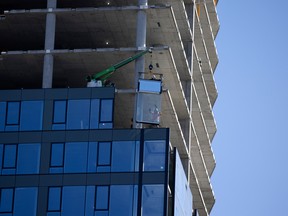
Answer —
(103, 75)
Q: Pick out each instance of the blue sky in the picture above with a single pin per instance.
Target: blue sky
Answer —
(251, 145)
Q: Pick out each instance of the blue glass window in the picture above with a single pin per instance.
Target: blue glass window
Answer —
(75, 160)
(13, 109)
(92, 157)
(73, 200)
(102, 198)
(10, 156)
(28, 161)
(2, 115)
(54, 199)
(106, 112)
(6, 200)
(59, 115)
(121, 200)
(104, 153)
(154, 155)
(12, 116)
(153, 200)
(57, 155)
(94, 116)
(25, 202)
(123, 156)
(78, 114)
(31, 115)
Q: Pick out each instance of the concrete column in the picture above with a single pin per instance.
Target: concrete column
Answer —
(190, 10)
(140, 44)
(49, 45)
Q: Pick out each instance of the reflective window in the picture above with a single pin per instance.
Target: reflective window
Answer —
(106, 112)
(121, 200)
(9, 159)
(2, 115)
(75, 159)
(92, 157)
(6, 200)
(57, 155)
(13, 109)
(123, 156)
(153, 200)
(150, 86)
(59, 115)
(154, 155)
(12, 116)
(94, 116)
(78, 114)
(102, 198)
(25, 202)
(73, 200)
(28, 161)
(104, 155)
(31, 115)
(54, 199)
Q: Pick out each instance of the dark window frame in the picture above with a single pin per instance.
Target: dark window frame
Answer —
(12, 204)
(108, 199)
(110, 155)
(3, 158)
(60, 199)
(63, 155)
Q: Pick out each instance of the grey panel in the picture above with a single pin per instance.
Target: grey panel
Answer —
(154, 178)
(27, 181)
(32, 94)
(123, 178)
(53, 136)
(74, 179)
(10, 137)
(98, 179)
(126, 134)
(107, 92)
(10, 95)
(56, 94)
(74, 136)
(48, 115)
(25, 137)
(7, 181)
(156, 134)
(100, 135)
(51, 180)
(45, 158)
(79, 93)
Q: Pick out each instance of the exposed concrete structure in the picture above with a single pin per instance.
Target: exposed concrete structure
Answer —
(57, 44)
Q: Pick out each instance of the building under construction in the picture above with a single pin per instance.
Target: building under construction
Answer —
(139, 141)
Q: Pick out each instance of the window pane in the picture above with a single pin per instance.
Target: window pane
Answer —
(90, 201)
(25, 202)
(57, 154)
(94, 116)
(10, 152)
(92, 157)
(54, 199)
(75, 160)
(73, 201)
(153, 200)
(104, 153)
(28, 159)
(154, 155)
(13, 113)
(123, 156)
(101, 213)
(2, 115)
(121, 200)
(78, 114)
(59, 112)
(31, 115)
(102, 198)
(106, 110)
(6, 200)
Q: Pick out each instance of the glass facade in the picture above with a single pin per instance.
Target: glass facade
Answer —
(61, 158)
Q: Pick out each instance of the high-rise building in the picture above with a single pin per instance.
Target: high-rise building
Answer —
(106, 107)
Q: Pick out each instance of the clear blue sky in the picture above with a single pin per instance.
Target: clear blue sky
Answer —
(251, 145)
